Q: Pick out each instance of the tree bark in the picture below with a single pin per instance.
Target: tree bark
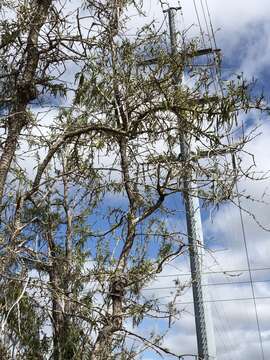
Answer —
(25, 90)
(14, 129)
(103, 345)
(62, 347)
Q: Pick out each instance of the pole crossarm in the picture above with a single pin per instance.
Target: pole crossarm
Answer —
(196, 155)
(176, 8)
(180, 56)
(203, 154)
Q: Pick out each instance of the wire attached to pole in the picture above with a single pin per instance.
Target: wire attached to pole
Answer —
(247, 257)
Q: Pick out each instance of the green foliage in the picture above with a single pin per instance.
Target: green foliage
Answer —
(24, 322)
(91, 223)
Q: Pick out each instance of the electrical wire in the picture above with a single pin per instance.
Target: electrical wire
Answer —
(225, 320)
(251, 282)
(226, 344)
(206, 23)
(213, 284)
(203, 39)
(224, 300)
(218, 74)
(199, 23)
(212, 39)
(248, 263)
(211, 24)
(225, 272)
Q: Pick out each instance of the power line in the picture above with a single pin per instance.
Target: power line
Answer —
(226, 344)
(217, 70)
(199, 23)
(237, 191)
(248, 263)
(206, 23)
(203, 37)
(213, 284)
(225, 272)
(225, 319)
(224, 300)
(211, 25)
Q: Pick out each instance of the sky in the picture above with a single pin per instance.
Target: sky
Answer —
(242, 30)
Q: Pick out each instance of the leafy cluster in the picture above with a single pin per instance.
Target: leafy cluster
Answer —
(100, 117)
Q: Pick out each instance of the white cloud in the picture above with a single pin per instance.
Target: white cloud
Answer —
(244, 39)
(235, 325)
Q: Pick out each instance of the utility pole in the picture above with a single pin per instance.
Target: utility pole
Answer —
(202, 310)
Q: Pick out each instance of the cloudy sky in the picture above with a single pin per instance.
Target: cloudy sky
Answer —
(242, 29)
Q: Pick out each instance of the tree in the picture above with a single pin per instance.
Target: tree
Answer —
(90, 230)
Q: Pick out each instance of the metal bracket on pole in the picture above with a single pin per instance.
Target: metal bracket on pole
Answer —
(176, 8)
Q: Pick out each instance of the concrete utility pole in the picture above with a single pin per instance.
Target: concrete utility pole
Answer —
(203, 318)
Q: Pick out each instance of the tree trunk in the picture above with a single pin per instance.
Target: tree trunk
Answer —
(63, 348)
(14, 129)
(103, 345)
(25, 90)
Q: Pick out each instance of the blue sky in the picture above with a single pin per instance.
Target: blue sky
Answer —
(242, 29)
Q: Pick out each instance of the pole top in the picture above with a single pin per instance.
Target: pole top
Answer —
(176, 8)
